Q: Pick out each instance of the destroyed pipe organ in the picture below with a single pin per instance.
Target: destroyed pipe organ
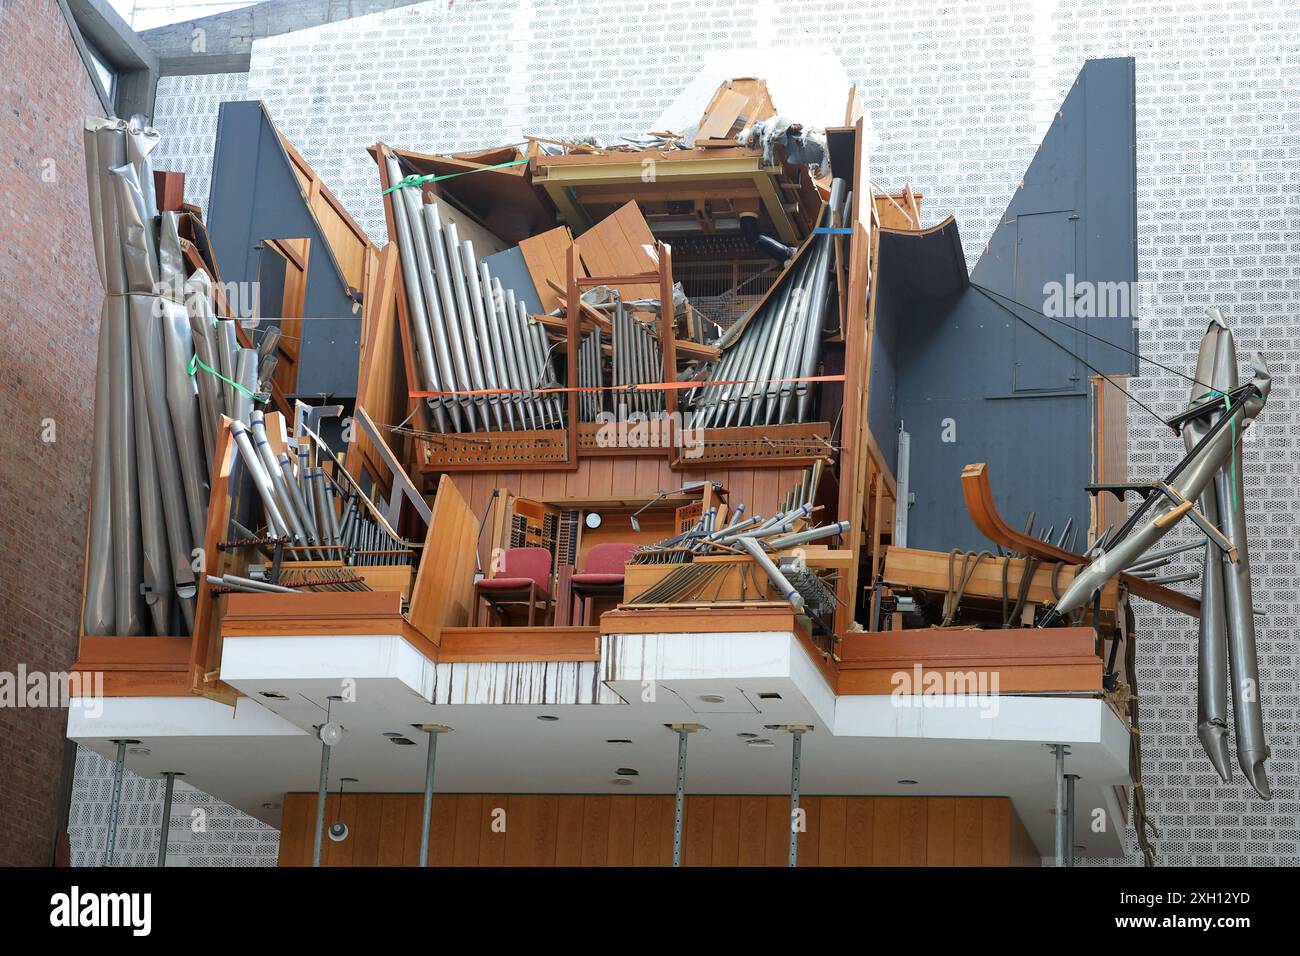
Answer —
(555, 445)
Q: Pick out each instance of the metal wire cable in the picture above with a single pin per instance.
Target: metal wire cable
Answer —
(1076, 356)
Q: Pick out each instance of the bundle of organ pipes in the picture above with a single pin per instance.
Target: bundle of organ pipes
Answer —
(1211, 472)
(753, 536)
(636, 358)
(779, 342)
(157, 407)
(470, 333)
(320, 511)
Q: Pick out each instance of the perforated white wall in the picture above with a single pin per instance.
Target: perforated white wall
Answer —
(959, 95)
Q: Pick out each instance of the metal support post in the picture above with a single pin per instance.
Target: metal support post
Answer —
(118, 769)
(683, 732)
(433, 730)
(165, 828)
(1069, 817)
(796, 755)
(1060, 750)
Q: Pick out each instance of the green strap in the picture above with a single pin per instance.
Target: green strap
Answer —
(1227, 406)
(196, 363)
(431, 178)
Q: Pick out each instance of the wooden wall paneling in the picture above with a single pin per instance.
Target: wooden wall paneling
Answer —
(442, 828)
(622, 831)
(1023, 851)
(995, 826)
(753, 831)
(776, 851)
(369, 815)
(521, 824)
(647, 846)
(294, 829)
(725, 849)
(392, 830)
(968, 831)
(912, 831)
(810, 836)
(859, 831)
(471, 824)
(886, 831)
(697, 831)
(413, 812)
(598, 830)
(568, 831)
(832, 831)
(595, 831)
(940, 834)
(600, 472)
(493, 843)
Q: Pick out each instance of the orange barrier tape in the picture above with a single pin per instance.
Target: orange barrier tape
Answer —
(647, 387)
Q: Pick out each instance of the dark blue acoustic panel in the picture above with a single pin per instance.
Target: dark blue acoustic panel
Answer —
(256, 196)
(973, 368)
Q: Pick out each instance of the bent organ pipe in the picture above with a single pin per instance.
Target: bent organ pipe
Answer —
(812, 534)
(522, 408)
(294, 491)
(146, 339)
(542, 346)
(494, 357)
(183, 403)
(1212, 639)
(815, 307)
(413, 253)
(1189, 482)
(279, 483)
(155, 572)
(246, 376)
(476, 337)
(431, 324)
(757, 398)
(459, 335)
(1247, 712)
(275, 521)
(97, 616)
(127, 554)
(198, 298)
(779, 580)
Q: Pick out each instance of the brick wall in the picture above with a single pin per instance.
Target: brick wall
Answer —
(959, 95)
(49, 318)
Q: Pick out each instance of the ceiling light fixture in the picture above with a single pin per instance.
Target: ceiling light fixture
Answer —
(627, 772)
(908, 783)
(548, 717)
(713, 699)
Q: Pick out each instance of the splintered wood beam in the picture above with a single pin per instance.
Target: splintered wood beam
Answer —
(983, 511)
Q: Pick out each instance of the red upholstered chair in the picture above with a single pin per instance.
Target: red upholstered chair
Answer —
(525, 576)
(602, 573)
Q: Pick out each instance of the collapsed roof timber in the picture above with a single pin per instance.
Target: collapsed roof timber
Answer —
(619, 410)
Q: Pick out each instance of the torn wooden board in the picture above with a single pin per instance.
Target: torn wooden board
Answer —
(621, 244)
(721, 115)
(544, 255)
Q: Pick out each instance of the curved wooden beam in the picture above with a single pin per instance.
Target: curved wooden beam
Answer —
(979, 502)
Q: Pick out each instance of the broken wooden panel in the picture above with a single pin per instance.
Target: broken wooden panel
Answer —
(444, 585)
